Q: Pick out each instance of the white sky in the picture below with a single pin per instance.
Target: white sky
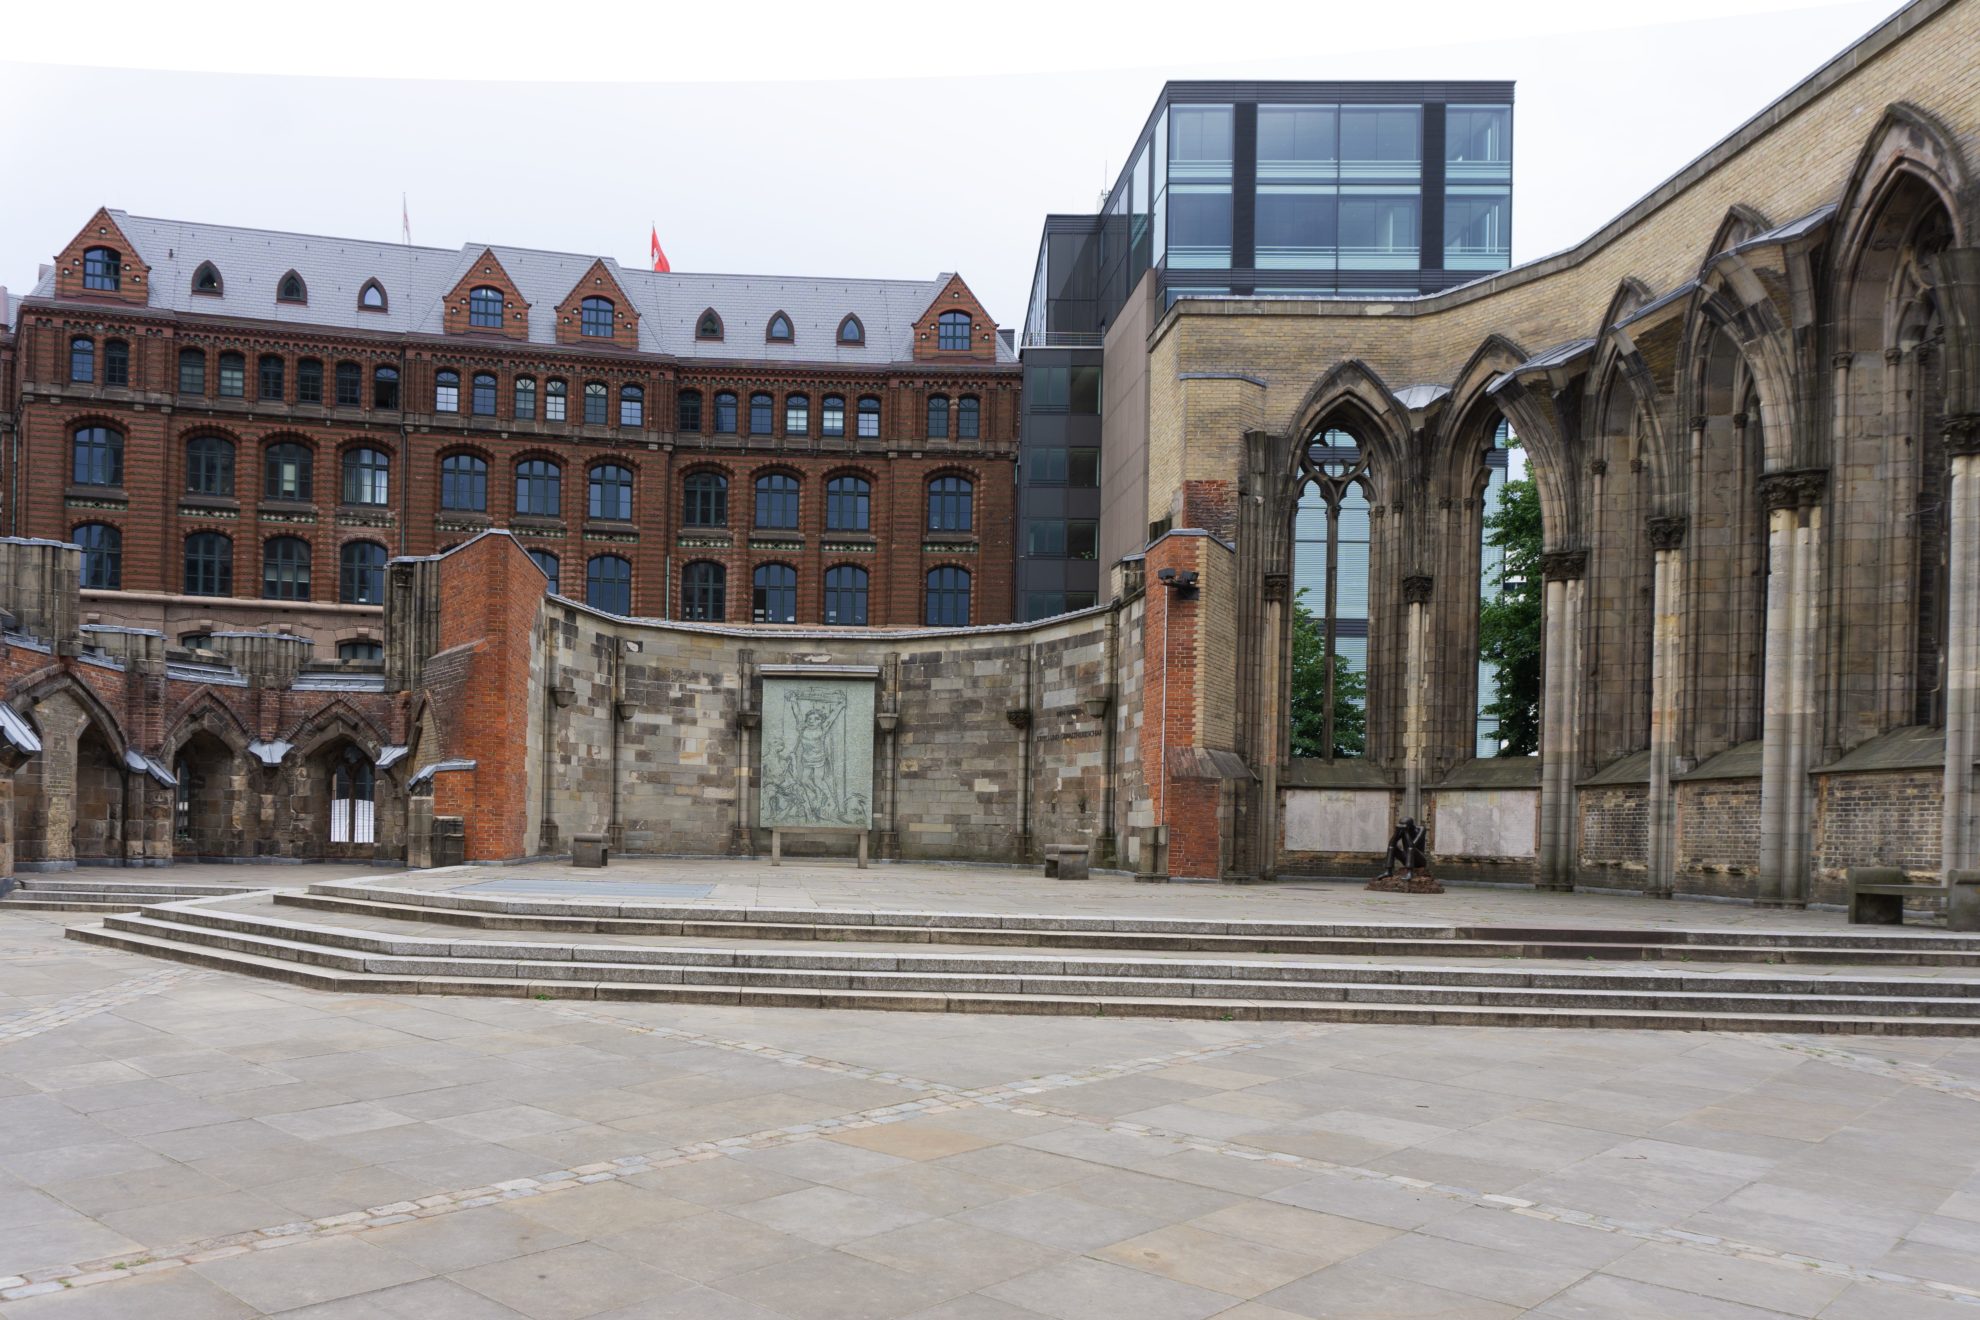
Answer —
(885, 139)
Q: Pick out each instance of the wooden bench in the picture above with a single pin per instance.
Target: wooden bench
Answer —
(777, 833)
(1065, 861)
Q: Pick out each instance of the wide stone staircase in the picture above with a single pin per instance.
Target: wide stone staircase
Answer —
(38, 893)
(370, 939)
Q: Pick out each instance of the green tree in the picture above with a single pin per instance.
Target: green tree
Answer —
(1309, 691)
(1509, 618)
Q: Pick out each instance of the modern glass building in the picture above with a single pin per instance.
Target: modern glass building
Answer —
(1256, 189)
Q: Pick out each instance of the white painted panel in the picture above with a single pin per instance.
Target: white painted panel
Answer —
(1486, 822)
(1352, 820)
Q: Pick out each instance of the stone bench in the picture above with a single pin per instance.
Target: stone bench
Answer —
(589, 850)
(1065, 861)
(777, 833)
(1877, 895)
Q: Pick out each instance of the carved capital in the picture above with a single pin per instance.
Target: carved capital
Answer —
(1841, 361)
(1795, 488)
(1598, 467)
(1278, 587)
(1019, 716)
(1416, 589)
(1698, 422)
(1563, 565)
(1667, 531)
(1636, 465)
(1739, 421)
(1893, 356)
(1961, 432)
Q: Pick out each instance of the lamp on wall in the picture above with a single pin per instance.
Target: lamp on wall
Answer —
(1181, 581)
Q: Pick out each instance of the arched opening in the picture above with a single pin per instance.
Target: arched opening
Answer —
(97, 830)
(351, 816)
(1507, 716)
(1330, 547)
(1621, 578)
(209, 801)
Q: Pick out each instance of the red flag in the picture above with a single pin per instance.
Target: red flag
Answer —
(659, 257)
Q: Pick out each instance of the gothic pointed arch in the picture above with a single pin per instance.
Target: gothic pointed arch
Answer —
(291, 288)
(34, 689)
(337, 720)
(372, 297)
(206, 281)
(1739, 223)
(203, 712)
(708, 326)
(1453, 465)
(1352, 389)
(1907, 142)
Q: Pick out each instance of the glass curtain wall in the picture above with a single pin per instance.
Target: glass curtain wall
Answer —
(1478, 187)
(1199, 187)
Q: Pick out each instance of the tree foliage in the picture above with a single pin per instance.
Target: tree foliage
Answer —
(1509, 618)
(1309, 691)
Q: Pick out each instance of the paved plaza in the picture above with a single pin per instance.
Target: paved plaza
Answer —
(185, 1144)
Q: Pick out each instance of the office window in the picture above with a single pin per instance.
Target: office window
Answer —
(1200, 142)
(481, 397)
(774, 594)
(192, 371)
(233, 376)
(1085, 391)
(1381, 142)
(539, 488)
(447, 391)
(632, 406)
(608, 584)
(102, 557)
(360, 649)
(687, 410)
(762, 414)
(291, 289)
(845, 596)
(705, 500)
(82, 359)
(969, 414)
(1477, 142)
(797, 415)
(286, 472)
(595, 317)
(1199, 226)
(869, 418)
(103, 268)
(777, 501)
(116, 362)
(209, 565)
(1045, 389)
(704, 592)
(1082, 538)
(1083, 468)
(525, 398)
(361, 573)
(952, 331)
(210, 465)
(1297, 142)
(309, 381)
(269, 372)
(485, 308)
(1477, 227)
(1047, 467)
(947, 603)
(832, 415)
(597, 403)
(350, 385)
(951, 504)
(464, 483)
(367, 477)
(725, 413)
(1296, 226)
(98, 456)
(553, 401)
(848, 504)
(611, 492)
(385, 388)
(1045, 538)
(552, 569)
(1378, 231)
(285, 569)
(938, 417)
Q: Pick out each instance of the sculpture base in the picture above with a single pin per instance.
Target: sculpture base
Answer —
(1419, 883)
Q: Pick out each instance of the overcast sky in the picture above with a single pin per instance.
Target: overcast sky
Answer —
(890, 139)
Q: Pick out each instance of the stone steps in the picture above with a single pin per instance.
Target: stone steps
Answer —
(372, 962)
(37, 894)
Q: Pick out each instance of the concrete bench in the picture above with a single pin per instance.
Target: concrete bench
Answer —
(1877, 895)
(1065, 861)
(778, 832)
(589, 850)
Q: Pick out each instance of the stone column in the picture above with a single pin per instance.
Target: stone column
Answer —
(1416, 689)
(1564, 572)
(1792, 499)
(1666, 673)
(1960, 838)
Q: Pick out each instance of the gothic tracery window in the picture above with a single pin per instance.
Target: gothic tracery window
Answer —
(1330, 599)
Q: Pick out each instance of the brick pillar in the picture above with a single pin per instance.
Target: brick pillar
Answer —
(1186, 808)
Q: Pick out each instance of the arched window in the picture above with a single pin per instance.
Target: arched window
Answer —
(797, 415)
(286, 473)
(704, 592)
(845, 596)
(947, 604)
(687, 410)
(309, 381)
(1330, 596)
(525, 398)
(611, 492)
(464, 483)
(552, 569)
(352, 784)
(292, 289)
(285, 569)
(851, 331)
(632, 406)
(779, 329)
(938, 417)
(371, 298)
(233, 376)
(361, 573)
(82, 359)
(951, 504)
(762, 414)
(708, 325)
(192, 371)
(1505, 462)
(539, 488)
(481, 399)
(952, 331)
(103, 268)
(596, 403)
(209, 565)
(210, 465)
(608, 584)
(102, 557)
(98, 456)
(777, 501)
(367, 477)
(725, 413)
(595, 317)
(554, 392)
(447, 391)
(207, 280)
(773, 596)
(485, 308)
(705, 500)
(832, 415)
(359, 648)
(385, 388)
(268, 378)
(848, 504)
(350, 385)
(869, 418)
(969, 413)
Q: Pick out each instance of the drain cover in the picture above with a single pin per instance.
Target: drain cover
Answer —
(590, 888)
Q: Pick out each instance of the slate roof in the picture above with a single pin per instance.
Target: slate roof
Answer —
(252, 263)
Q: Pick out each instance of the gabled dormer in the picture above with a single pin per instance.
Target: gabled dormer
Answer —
(486, 302)
(596, 312)
(955, 328)
(101, 265)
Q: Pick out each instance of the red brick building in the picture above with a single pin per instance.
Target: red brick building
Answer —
(241, 427)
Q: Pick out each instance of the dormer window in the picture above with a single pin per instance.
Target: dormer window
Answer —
(709, 326)
(371, 298)
(952, 332)
(595, 318)
(485, 308)
(103, 268)
(779, 331)
(292, 289)
(851, 331)
(207, 280)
